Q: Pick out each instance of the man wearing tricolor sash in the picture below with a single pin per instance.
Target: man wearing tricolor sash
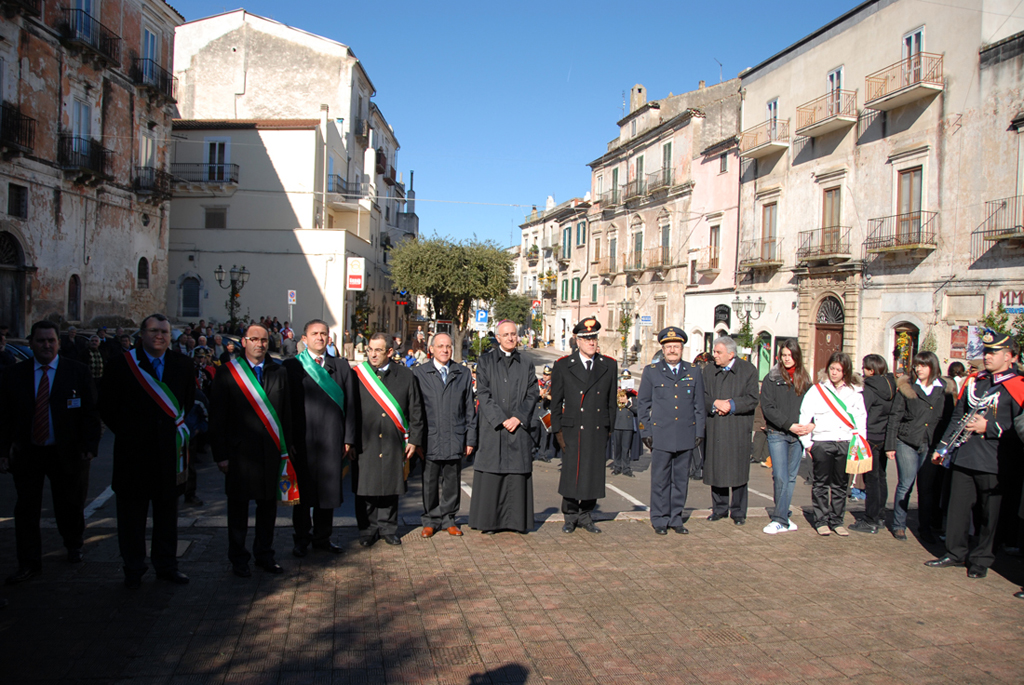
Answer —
(250, 430)
(145, 396)
(392, 428)
(324, 432)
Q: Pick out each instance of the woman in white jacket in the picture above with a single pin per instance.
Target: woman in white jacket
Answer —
(836, 408)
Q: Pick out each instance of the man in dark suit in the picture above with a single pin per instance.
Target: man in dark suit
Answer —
(583, 406)
(246, 450)
(149, 463)
(450, 410)
(48, 415)
(672, 416)
(324, 430)
(73, 345)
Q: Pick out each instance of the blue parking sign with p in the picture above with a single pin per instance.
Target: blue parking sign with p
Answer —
(481, 316)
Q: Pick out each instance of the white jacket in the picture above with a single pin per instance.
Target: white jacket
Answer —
(828, 426)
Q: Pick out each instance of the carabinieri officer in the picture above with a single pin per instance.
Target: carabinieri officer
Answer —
(671, 415)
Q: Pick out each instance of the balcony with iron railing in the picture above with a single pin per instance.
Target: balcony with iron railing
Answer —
(17, 131)
(908, 80)
(765, 139)
(84, 155)
(635, 188)
(610, 198)
(831, 112)
(657, 257)
(147, 73)
(826, 244)
(608, 266)
(361, 130)
(662, 178)
(389, 177)
(1004, 220)
(633, 261)
(27, 6)
(79, 28)
(152, 181)
(902, 233)
(761, 254)
(188, 172)
(709, 260)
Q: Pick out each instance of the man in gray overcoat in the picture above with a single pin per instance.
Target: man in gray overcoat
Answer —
(506, 386)
(730, 398)
(450, 411)
(390, 406)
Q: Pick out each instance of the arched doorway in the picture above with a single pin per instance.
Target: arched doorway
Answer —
(12, 285)
(905, 338)
(74, 298)
(828, 331)
(190, 297)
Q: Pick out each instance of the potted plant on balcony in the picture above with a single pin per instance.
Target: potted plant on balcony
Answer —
(533, 254)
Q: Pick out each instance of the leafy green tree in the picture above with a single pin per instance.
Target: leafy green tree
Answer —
(451, 276)
(514, 308)
(998, 319)
(745, 338)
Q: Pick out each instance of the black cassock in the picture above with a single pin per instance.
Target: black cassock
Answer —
(728, 443)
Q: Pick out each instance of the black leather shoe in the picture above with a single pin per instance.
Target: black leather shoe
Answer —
(329, 547)
(74, 556)
(717, 517)
(270, 566)
(242, 570)
(489, 532)
(133, 582)
(568, 527)
(943, 562)
(660, 530)
(863, 526)
(682, 530)
(591, 528)
(299, 551)
(740, 522)
(176, 577)
(367, 542)
(977, 572)
(23, 574)
(392, 539)
(1019, 595)
(926, 535)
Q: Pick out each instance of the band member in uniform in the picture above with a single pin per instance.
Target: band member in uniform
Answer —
(672, 417)
(48, 414)
(144, 399)
(503, 472)
(543, 440)
(324, 432)
(583, 406)
(392, 429)
(250, 429)
(996, 393)
(449, 408)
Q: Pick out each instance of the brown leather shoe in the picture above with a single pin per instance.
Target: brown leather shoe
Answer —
(454, 530)
(428, 532)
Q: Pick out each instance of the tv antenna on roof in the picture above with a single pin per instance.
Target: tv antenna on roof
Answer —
(623, 103)
(719, 70)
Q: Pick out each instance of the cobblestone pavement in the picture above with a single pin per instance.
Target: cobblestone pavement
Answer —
(724, 604)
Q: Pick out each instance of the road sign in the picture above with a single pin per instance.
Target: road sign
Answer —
(356, 273)
(646, 320)
(535, 304)
(291, 297)
(481, 316)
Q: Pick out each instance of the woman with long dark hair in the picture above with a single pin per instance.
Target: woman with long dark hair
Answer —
(879, 393)
(781, 393)
(922, 408)
(836, 408)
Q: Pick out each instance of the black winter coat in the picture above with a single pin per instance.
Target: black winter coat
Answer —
(505, 387)
(780, 403)
(919, 418)
(449, 410)
(729, 438)
(879, 393)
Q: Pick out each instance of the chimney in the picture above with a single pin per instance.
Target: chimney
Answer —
(410, 196)
(700, 84)
(550, 204)
(637, 97)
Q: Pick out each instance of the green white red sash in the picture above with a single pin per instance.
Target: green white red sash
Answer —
(858, 456)
(168, 403)
(322, 378)
(375, 386)
(288, 486)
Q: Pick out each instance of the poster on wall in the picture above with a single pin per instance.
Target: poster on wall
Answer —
(974, 346)
(958, 338)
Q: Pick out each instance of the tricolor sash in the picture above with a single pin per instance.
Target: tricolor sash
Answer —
(322, 378)
(168, 403)
(375, 386)
(288, 486)
(858, 456)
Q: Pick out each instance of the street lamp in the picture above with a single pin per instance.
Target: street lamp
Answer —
(748, 309)
(237, 280)
(625, 321)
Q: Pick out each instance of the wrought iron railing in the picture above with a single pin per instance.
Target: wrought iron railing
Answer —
(16, 129)
(152, 180)
(633, 261)
(146, 72)
(922, 68)
(29, 6)
(78, 26)
(609, 198)
(824, 243)
(901, 231)
(86, 154)
(635, 188)
(834, 104)
(709, 259)
(1005, 219)
(608, 265)
(205, 173)
(657, 257)
(771, 131)
(761, 253)
(662, 178)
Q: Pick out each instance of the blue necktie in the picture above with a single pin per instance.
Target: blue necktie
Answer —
(259, 374)
(444, 375)
(158, 368)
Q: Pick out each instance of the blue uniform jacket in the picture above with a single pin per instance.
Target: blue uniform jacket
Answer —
(671, 411)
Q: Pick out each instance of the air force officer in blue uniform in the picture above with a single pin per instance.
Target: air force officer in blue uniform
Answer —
(670, 410)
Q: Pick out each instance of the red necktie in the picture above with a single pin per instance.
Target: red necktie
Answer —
(320, 361)
(41, 420)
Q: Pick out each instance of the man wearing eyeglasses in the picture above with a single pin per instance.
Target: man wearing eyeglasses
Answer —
(148, 463)
(242, 436)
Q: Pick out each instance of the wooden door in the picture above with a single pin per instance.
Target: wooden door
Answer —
(828, 338)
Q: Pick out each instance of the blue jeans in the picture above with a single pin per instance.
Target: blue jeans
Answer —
(786, 451)
(908, 463)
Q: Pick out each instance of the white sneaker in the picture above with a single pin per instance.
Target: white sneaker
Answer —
(773, 528)
(792, 526)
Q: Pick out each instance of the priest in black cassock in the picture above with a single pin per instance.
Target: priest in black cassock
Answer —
(506, 385)
(324, 431)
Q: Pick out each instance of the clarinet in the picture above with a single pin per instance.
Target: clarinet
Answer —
(961, 434)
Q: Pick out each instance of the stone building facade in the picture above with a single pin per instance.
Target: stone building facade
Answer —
(88, 99)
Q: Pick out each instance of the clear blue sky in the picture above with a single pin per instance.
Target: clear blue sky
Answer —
(505, 104)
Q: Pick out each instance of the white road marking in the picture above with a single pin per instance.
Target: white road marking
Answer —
(628, 497)
(767, 497)
(466, 489)
(98, 502)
